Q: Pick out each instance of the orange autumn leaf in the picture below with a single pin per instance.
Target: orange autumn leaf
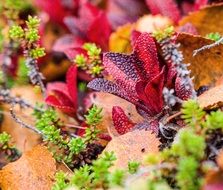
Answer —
(23, 138)
(132, 146)
(207, 66)
(206, 20)
(50, 70)
(214, 179)
(33, 171)
(119, 40)
(211, 99)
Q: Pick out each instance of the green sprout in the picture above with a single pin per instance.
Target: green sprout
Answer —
(215, 36)
(92, 61)
(162, 34)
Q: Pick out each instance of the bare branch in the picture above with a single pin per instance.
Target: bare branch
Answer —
(23, 124)
(195, 52)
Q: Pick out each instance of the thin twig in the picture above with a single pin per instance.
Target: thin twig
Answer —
(173, 116)
(74, 126)
(35, 76)
(21, 123)
(9, 99)
(195, 52)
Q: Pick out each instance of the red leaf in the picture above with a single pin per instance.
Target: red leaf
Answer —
(199, 3)
(58, 86)
(56, 9)
(134, 36)
(140, 86)
(71, 80)
(154, 93)
(70, 45)
(181, 91)
(53, 101)
(63, 98)
(121, 122)
(79, 25)
(166, 8)
(100, 35)
(145, 49)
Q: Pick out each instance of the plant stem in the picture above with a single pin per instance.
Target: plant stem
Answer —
(35, 76)
(9, 99)
(195, 52)
(20, 122)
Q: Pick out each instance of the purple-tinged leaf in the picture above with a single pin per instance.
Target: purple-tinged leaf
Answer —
(166, 8)
(103, 85)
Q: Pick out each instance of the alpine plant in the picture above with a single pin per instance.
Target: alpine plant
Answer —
(141, 77)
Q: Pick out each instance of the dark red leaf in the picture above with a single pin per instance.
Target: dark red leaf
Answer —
(53, 101)
(100, 35)
(134, 36)
(154, 93)
(146, 51)
(181, 90)
(121, 122)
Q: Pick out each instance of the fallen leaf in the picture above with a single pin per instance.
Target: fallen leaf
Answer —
(119, 40)
(212, 98)
(206, 20)
(207, 66)
(132, 146)
(150, 23)
(33, 171)
(106, 102)
(50, 70)
(214, 179)
(23, 138)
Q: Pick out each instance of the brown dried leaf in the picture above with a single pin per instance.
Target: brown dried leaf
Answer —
(132, 146)
(150, 23)
(23, 138)
(33, 171)
(206, 66)
(119, 40)
(206, 20)
(50, 70)
(211, 99)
